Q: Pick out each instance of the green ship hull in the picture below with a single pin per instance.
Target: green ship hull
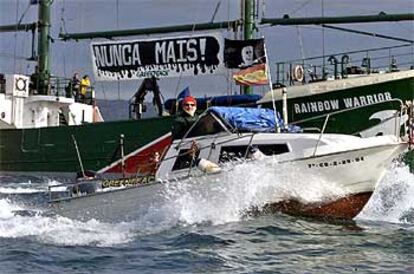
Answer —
(374, 103)
(372, 99)
(53, 149)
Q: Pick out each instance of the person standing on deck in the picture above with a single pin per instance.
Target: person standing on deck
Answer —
(186, 118)
(85, 83)
(75, 84)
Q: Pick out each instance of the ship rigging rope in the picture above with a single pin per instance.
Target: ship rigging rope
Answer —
(62, 19)
(301, 6)
(118, 83)
(23, 14)
(323, 40)
(181, 72)
(62, 29)
(15, 37)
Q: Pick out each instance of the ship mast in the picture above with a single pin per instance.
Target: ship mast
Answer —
(248, 25)
(43, 44)
(44, 23)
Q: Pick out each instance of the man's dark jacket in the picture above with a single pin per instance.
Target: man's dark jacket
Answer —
(182, 124)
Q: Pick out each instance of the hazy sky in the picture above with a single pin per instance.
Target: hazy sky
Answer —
(283, 43)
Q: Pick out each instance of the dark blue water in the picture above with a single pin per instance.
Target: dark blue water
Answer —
(193, 233)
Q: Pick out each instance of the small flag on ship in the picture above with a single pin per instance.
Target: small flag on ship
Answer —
(250, 56)
(244, 53)
(184, 93)
(255, 75)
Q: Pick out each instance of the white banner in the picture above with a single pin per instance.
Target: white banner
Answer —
(163, 57)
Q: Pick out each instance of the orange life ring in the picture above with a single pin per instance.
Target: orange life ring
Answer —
(298, 73)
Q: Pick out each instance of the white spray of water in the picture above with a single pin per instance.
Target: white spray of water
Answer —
(60, 230)
(7, 208)
(393, 200)
(27, 187)
(19, 190)
(56, 229)
(220, 199)
(227, 197)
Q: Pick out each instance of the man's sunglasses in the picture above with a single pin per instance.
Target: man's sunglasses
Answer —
(189, 105)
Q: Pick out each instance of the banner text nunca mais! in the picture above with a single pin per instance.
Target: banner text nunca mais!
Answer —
(163, 57)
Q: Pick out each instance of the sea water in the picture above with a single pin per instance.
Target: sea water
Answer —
(203, 226)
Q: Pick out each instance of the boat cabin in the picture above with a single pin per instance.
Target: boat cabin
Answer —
(224, 134)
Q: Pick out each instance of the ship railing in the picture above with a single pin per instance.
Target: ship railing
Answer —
(63, 87)
(344, 65)
(399, 129)
(2, 84)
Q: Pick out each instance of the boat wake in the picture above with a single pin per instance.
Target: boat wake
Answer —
(59, 230)
(393, 201)
(210, 200)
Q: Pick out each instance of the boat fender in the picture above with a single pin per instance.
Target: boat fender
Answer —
(298, 73)
(207, 166)
(256, 154)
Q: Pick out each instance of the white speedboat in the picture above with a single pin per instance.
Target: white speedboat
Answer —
(352, 163)
(229, 134)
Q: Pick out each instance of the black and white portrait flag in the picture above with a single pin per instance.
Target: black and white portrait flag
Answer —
(244, 53)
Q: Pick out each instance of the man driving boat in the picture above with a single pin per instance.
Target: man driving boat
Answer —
(186, 118)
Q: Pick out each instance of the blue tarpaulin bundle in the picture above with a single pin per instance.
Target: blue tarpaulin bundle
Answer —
(252, 119)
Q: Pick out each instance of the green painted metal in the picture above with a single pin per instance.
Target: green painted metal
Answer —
(372, 34)
(18, 27)
(351, 122)
(43, 47)
(338, 20)
(249, 7)
(52, 149)
(234, 23)
(149, 31)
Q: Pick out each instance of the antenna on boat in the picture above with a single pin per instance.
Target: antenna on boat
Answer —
(285, 112)
(269, 78)
(79, 157)
(410, 124)
(121, 144)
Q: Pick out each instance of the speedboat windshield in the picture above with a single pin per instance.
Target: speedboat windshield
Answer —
(207, 124)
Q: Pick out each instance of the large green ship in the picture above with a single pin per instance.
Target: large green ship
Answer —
(374, 100)
(44, 129)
